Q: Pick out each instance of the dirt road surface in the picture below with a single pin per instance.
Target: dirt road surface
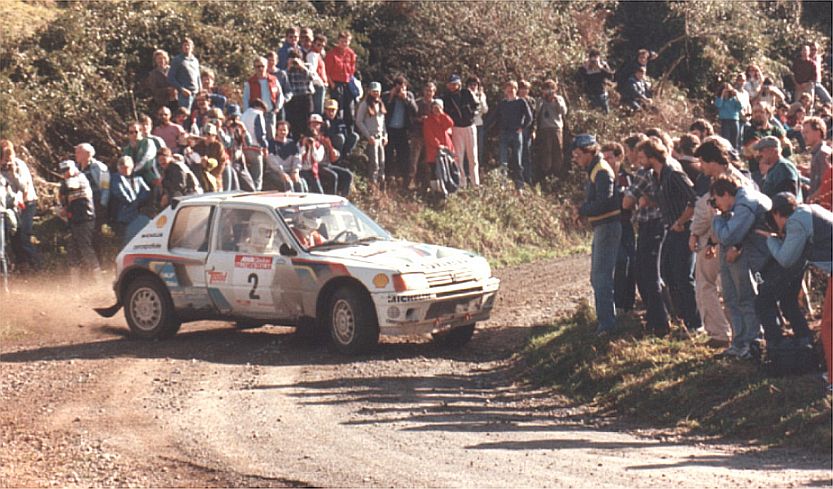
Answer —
(85, 406)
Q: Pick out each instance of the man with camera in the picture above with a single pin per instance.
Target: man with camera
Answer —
(401, 106)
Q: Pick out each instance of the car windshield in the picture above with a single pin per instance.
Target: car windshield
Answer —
(336, 224)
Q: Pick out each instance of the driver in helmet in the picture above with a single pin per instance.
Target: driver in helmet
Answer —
(306, 230)
(261, 235)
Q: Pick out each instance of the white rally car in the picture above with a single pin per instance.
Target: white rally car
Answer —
(306, 260)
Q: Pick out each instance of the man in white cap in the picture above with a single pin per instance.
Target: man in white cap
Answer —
(76, 197)
(98, 175)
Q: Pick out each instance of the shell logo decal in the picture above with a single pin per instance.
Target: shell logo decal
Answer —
(160, 223)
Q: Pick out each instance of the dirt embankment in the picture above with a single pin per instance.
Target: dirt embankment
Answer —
(83, 405)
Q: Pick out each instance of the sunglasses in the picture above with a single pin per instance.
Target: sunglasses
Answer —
(132, 132)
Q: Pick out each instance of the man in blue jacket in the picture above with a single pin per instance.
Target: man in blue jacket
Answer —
(742, 210)
(129, 194)
(601, 208)
(184, 74)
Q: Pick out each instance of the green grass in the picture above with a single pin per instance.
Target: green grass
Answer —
(677, 383)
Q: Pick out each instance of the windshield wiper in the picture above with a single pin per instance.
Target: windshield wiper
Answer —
(365, 240)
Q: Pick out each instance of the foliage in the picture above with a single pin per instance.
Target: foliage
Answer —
(678, 383)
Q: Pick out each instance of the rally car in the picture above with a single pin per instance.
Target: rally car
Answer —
(311, 261)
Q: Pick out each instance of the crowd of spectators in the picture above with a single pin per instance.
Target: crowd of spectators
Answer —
(728, 214)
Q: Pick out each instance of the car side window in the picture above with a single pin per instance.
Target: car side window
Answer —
(191, 228)
(248, 231)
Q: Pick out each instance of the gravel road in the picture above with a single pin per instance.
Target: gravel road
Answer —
(85, 406)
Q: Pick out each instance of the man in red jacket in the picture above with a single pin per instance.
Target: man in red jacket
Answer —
(436, 131)
(340, 64)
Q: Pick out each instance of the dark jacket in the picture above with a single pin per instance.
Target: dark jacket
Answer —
(460, 106)
(602, 202)
(129, 195)
(77, 198)
(409, 103)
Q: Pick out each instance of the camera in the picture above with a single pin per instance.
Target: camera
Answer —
(713, 203)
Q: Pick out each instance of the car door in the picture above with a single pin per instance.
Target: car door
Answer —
(244, 263)
(188, 245)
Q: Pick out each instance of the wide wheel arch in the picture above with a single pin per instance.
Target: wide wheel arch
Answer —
(329, 289)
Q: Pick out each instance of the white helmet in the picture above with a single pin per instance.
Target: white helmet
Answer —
(306, 222)
(261, 232)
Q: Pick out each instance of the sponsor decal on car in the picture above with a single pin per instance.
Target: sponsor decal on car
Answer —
(161, 221)
(217, 277)
(253, 262)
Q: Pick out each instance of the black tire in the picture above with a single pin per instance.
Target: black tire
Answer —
(456, 338)
(352, 321)
(149, 310)
(310, 330)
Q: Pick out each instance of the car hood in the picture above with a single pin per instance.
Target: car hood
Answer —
(402, 256)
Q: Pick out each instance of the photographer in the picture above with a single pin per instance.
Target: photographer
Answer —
(299, 106)
(595, 73)
(740, 210)
(729, 109)
(401, 105)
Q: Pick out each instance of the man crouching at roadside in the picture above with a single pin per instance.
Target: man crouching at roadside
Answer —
(601, 207)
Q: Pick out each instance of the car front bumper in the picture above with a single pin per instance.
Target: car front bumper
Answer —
(436, 309)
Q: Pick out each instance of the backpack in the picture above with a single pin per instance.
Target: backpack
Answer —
(446, 174)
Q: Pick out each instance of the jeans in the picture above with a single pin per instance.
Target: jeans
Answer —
(730, 130)
(376, 160)
(623, 278)
(822, 93)
(184, 101)
(481, 144)
(606, 237)
(526, 155)
(418, 170)
(254, 161)
(677, 270)
(80, 249)
(335, 180)
(25, 251)
(648, 246)
(341, 93)
(779, 290)
(4, 265)
(549, 153)
(297, 113)
(510, 141)
(739, 297)
(313, 183)
(318, 99)
(397, 152)
(599, 101)
(345, 143)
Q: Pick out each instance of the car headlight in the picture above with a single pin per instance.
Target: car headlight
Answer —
(409, 281)
(484, 271)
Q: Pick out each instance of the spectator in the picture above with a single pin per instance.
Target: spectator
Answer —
(804, 232)
(741, 210)
(795, 122)
(290, 43)
(163, 93)
(769, 94)
(17, 174)
(601, 208)
(512, 116)
(8, 225)
(636, 93)
(370, 121)
(266, 87)
(436, 130)
(211, 147)
(315, 61)
(130, 195)
(283, 165)
(623, 74)
(549, 133)
(729, 109)
(814, 130)
(98, 175)
(142, 151)
(417, 170)
(761, 126)
(595, 74)
(684, 153)
(475, 87)
(643, 191)
(400, 106)
(184, 74)
(344, 139)
(237, 140)
(701, 128)
(205, 174)
(313, 153)
(283, 81)
(819, 90)
(779, 173)
(76, 199)
(169, 132)
(305, 41)
(177, 178)
(676, 198)
(217, 99)
(804, 73)
(182, 116)
(754, 82)
(255, 125)
(340, 63)
(624, 278)
(299, 106)
(461, 106)
(199, 114)
(743, 96)
(335, 179)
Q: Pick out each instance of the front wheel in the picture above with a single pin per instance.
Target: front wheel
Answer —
(149, 310)
(352, 321)
(456, 338)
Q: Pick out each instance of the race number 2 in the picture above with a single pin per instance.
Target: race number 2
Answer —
(253, 279)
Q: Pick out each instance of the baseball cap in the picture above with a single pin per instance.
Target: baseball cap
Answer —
(233, 110)
(331, 104)
(439, 102)
(67, 165)
(767, 142)
(584, 140)
(316, 118)
(374, 87)
(455, 78)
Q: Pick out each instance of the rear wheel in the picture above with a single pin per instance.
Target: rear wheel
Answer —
(352, 321)
(149, 310)
(456, 338)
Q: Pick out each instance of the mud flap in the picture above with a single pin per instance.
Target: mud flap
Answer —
(108, 312)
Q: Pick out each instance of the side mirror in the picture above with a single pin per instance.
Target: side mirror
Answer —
(286, 250)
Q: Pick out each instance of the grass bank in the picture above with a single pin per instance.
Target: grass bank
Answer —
(678, 384)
